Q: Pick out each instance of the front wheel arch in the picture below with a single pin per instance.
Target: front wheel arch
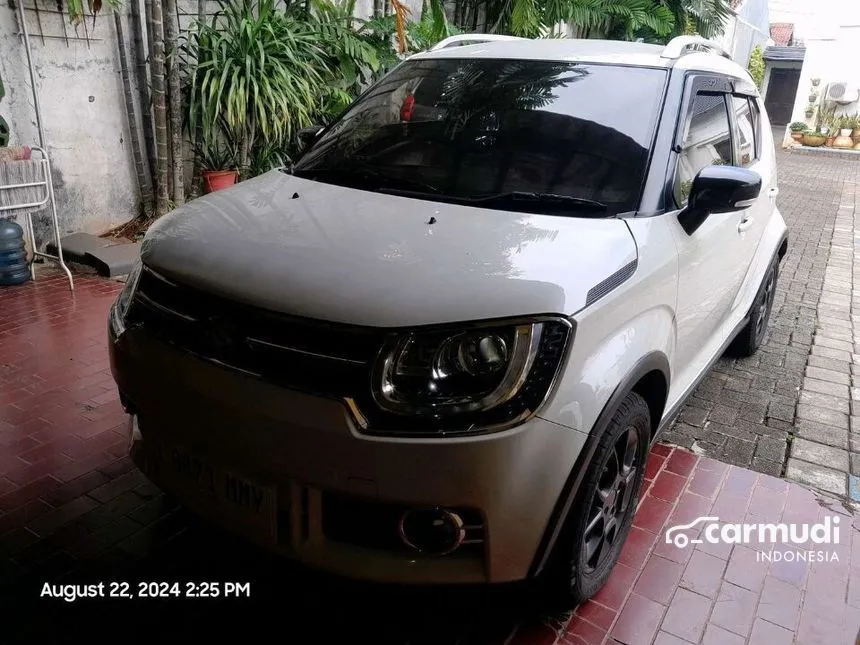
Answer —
(650, 373)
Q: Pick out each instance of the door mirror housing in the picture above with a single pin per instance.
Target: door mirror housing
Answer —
(719, 189)
(724, 189)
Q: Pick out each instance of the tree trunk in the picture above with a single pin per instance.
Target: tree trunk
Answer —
(159, 112)
(141, 54)
(196, 188)
(246, 144)
(377, 8)
(171, 41)
(143, 182)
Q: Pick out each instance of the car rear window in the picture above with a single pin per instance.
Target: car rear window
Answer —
(471, 128)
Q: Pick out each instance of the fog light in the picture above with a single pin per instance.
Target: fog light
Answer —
(432, 531)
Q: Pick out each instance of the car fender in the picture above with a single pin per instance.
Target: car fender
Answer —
(595, 368)
(653, 360)
(631, 321)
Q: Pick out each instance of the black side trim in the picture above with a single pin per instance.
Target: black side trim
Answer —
(782, 249)
(648, 363)
(602, 288)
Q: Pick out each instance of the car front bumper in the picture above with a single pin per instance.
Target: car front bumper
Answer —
(336, 491)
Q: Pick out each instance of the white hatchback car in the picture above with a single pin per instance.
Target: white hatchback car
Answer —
(438, 348)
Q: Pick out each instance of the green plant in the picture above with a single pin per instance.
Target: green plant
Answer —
(707, 17)
(611, 18)
(798, 126)
(756, 66)
(351, 61)
(255, 73)
(265, 158)
(217, 155)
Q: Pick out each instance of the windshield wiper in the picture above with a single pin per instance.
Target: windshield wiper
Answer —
(552, 200)
(351, 172)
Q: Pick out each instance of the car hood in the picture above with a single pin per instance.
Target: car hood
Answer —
(322, 251)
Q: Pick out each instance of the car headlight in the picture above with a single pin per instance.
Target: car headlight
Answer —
(466, 379)
(125, 297)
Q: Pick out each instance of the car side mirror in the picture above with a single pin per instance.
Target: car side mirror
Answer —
(307, 136)
(719, 189)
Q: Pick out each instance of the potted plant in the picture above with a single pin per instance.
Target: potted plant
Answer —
(218, 163)
(812, 97)
(810, 110)
(815, 82)
(844, 140)
(855, 125)
(813, 139)
(797, 129)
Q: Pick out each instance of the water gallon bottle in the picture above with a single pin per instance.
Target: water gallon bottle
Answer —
(13, 256)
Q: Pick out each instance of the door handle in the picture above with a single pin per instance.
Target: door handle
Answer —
(745, 223)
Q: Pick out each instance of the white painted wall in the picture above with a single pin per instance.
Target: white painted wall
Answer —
(83, 117)
(832, 56)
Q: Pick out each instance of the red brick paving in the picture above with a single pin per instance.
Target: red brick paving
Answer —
(73, 509)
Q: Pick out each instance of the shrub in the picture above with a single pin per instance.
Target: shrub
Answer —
(756, 66)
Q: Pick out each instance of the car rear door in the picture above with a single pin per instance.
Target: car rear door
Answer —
(753, 146)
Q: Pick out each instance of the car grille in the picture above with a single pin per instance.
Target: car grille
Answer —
(307, 355)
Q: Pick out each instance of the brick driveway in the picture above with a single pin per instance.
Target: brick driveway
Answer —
(74, 510)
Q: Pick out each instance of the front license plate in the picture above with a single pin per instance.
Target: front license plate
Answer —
(241, 503)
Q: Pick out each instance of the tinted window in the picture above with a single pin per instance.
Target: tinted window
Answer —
(746, 131)
(451, 128)
(707, 141)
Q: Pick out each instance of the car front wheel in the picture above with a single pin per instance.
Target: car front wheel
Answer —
(597, 526)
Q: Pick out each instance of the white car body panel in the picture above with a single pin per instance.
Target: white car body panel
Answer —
(393, 268)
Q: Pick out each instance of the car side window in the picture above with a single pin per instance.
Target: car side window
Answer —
(706, 141)
(746, 137)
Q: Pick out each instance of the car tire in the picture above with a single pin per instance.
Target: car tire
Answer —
(578, 567)
(750, 338)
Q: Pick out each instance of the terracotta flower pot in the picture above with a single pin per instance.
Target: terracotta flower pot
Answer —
(797, 136)
(855, 132)
(829, 141)
(813, 140)
(843, 142)
(219, 179)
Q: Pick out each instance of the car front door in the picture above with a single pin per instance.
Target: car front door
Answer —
(711, 259)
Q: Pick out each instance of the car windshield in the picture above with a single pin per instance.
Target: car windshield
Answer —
(526, 135)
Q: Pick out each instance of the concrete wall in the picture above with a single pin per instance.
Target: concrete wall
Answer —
(83, 115)
(748, 28)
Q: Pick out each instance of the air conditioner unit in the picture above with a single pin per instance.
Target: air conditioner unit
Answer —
(842, 93)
